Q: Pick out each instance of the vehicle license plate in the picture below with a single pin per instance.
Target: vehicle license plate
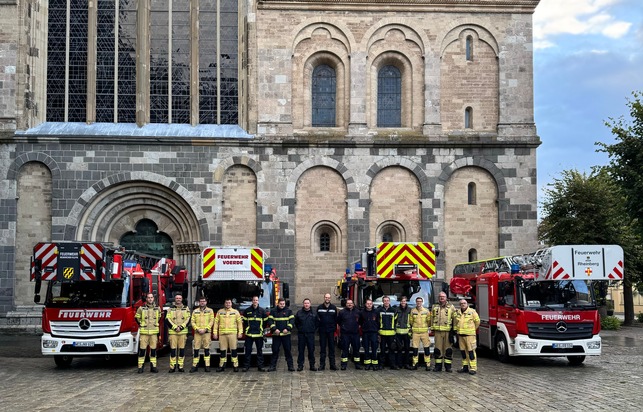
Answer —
(563, 345)
(84, 344)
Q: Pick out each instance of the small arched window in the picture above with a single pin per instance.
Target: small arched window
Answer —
(473, 255)
(389, 97)
(471, 193)
(324, 242)
(468, 118)
(469, 48)
(323, 95)
(387, 237)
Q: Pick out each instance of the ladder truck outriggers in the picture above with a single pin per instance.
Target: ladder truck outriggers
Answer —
(93, 291)
(239, 273)
(541, 304)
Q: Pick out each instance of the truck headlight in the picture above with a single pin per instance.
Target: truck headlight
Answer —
(120, 343)
(528, 345)
(49, 344)
(595, 344)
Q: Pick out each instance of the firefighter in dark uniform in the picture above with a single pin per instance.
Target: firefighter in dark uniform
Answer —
(178, 316)
(387, 316)
(368, 320)
(254, 320)
(327, 320)
(348, 320)
(306, 324)
(281, 322)
(148, 320)
(402, 334)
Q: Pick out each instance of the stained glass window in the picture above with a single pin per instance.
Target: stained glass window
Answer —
(389, 97)
(323, 96)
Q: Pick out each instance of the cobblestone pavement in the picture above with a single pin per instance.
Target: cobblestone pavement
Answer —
(613, 382)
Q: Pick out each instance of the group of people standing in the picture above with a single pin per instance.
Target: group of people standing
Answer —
(398, 332)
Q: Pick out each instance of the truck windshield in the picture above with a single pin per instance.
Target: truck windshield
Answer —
(396, 289)
(241, 293)
(557, 295)
(87, 294)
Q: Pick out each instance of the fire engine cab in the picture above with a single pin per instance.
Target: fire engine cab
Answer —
(391, 269)
(239, 273)
(92, 293)
(541, 304)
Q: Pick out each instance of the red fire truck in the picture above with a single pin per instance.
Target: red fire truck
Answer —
(542, 304)
(394, 270)
(239, 273)
(93, 291)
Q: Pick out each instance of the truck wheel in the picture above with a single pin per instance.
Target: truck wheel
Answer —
(502, 349)
(576, 360)
(63, 361)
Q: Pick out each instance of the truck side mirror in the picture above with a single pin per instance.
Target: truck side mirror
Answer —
(285, 291)
(36, 298)
(501, 301)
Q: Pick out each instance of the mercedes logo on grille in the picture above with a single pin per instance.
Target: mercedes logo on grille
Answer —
(84, 324)
(561, 327)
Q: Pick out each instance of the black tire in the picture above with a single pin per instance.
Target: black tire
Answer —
(576, 360)
(502, 348)
(63, 361)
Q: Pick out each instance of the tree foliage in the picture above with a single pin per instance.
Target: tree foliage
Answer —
(591, 209)
(583, 209)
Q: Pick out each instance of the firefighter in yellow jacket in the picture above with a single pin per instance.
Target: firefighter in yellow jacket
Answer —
(465, 324)
(442, 315)
(148, 317)
(420, 320)
(178, 316)
(202, 322)
(228, 327)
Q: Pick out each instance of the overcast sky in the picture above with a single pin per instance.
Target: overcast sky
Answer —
(588, 58)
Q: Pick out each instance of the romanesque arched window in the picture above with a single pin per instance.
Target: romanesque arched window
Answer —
(469, 48)
(471, 193)
(468, 118)
(324, 85)
(389, 97)
(147, 239)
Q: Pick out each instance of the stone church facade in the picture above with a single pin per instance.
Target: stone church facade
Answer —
(312, 129)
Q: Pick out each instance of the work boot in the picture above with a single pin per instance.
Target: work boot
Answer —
(172, 369)
(358, 366)
(262, 369)
(447, 368)
(245, 369)
(428, 367)
(368, 368)
(140, 370)
(438, 367)
(313, 368)
(333, 367)
(321, 367)
(414, 367)
(407, 367)
(395, 368)
(300, 368)
(291, 369)
(193, 369)
(181, 370)
(343, 366)
(207, 369)
(154, 370)
(272, 369)
(472, 372)
(465, 369)
(220, 369)
(235, 369)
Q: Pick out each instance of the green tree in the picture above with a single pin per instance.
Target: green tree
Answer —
(590, 209)
(626, 168)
